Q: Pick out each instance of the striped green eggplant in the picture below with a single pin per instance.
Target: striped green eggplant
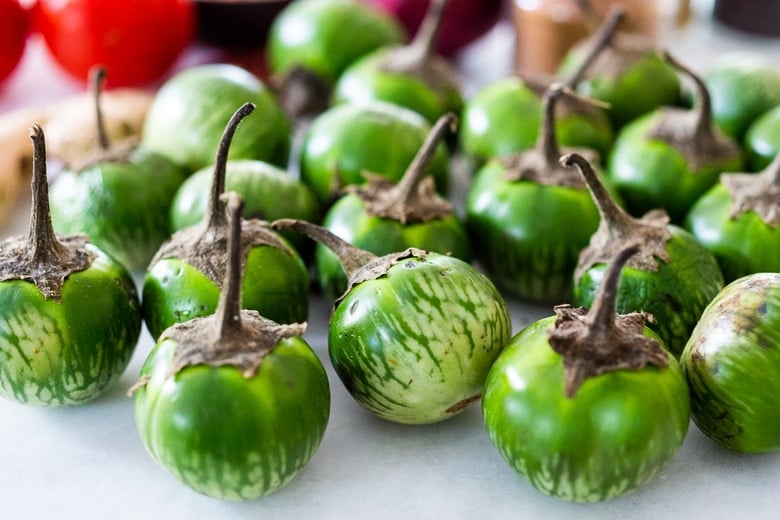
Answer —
(416, 332)
(69, 313)
(732, 365)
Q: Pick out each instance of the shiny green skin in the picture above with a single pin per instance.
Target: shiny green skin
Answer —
(326, 36)
(504, 117)
(742, 86)
(228, 436)
(742, 245)
(414, 346)
(68, 352)
(762, 140)
(190, 111)
(365, 81)
(644, 86)
(378, 137)
(275, 284)
(528, 236)
(675, 294)
(269, 193)
(732, 365)
(651, 174)
(122, 206)
(617, 432)
(347, 218)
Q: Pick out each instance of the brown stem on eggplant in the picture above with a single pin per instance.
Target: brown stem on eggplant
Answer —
(702, 106)
(755, 192)
(98, 76)
(599, 340)
(413, 198)
(600, 40)
(424, 42)
(229, 308)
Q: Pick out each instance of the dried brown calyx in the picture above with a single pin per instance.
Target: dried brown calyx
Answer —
(230, 336)
(358, 264)
(692, 132)
(541, 163)
(118, 152)
(41, 257)
(599, 340)
(204, 245)
(414, 198)
(419, 57)
(617, 228)
(757, 192)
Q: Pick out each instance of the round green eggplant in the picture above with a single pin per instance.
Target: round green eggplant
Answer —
(122, 206)
(378, 137)
(762, 140)
(190, 110)
(326, 36)
(743, 85)
(617, 432)
(69, 313)
(268, 191)
(732, 365)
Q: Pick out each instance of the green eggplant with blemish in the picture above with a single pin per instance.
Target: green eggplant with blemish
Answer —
(384, 217)
(668, 158)
(232, 404)
(673, 276)
(738, 220)
(70, 317)
(415, 333)
(182, 281)
(378, 137)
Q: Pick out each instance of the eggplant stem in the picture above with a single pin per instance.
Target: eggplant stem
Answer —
(215, 212)
(702, 104)
(98, 76)
(229, 308)
(600, 40)
(424, 43)
(602, 313)
(351, 258)
(548, 141)
(773, 171)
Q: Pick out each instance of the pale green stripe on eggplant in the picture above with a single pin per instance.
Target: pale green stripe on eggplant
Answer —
(409, 347)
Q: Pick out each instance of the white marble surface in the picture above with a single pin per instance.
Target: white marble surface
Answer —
(88, 462)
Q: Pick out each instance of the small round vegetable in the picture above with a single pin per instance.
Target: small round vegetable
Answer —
(738, 219)
(137, 41)
(182, 280)
(120, 196)
(416, 332)
(385, 217)
(14, 25)
(378, 137)
(232, 404)
(673, 276)
(412, 76)
(762, 139)
(587, 405)
(528, 217)
(670, 157)
(190, 111)
(732, 364)
(69, 313)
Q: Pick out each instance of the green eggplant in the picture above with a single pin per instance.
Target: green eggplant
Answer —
(119, 197)
(528, 217)
(738, 220)
(673, 276)
(232, 404)
(412, 76)
(587, 405)
(413, 337)
(670, 157)
(732, 365)
(384, 217)
(762, 139)
(379, 137)
(70, 317)
(182, 281)
(190, 110)
(628, 74)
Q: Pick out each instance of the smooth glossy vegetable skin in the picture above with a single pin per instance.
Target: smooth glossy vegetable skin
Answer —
(762, 139)
(233, 437)
(616, 433)
(68, 352)
(414, 346)
(732, 365)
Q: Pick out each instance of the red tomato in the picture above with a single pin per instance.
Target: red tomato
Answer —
(136, 40)
(13, 35)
